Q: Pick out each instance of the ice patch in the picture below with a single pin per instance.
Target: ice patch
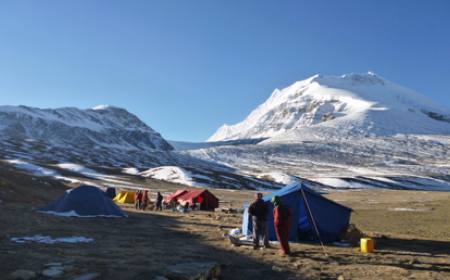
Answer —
(49, 240)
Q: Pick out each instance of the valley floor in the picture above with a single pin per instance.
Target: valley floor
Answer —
(412, 230)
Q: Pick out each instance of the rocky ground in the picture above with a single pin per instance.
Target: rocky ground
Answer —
(411, 228)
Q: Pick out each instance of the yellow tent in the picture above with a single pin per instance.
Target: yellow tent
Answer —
(124, 197)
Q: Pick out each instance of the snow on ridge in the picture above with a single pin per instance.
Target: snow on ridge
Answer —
(101, 107)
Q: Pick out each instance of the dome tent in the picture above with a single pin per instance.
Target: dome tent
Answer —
(84, 201)
(307, 207)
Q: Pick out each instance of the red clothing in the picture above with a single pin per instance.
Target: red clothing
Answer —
(282, 219)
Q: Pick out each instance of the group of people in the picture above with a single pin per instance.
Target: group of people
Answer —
(282, 216)
(141, 200)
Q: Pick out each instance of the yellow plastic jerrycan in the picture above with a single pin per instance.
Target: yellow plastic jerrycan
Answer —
(367, 245)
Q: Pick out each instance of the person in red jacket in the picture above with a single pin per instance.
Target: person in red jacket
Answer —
(282, 219)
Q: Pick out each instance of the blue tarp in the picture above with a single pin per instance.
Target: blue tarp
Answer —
(84, 201)
(331, 218)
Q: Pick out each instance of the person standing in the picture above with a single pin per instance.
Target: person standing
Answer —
(144, 200)
(159, 201)
(282, 220)
(137, 204)
(259, 211)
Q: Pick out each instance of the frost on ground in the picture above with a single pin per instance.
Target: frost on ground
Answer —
(50, 240)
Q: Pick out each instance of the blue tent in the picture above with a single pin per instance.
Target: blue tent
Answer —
(330, 217)
(84, 201)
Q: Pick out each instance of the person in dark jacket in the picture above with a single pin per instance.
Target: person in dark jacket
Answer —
(159, 201)
(259, 211)
(282, 218)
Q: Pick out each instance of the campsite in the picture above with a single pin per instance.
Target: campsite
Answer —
(224, 140)
(410, 245)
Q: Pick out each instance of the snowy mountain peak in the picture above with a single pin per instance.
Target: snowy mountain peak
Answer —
(350, 104)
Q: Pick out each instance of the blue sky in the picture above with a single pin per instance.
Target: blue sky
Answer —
(187, 67)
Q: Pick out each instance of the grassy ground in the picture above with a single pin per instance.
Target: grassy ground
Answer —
(411, 245)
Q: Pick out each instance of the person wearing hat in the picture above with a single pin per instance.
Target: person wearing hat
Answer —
(282, 220)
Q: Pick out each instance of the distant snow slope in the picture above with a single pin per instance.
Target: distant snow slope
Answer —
(337, 106)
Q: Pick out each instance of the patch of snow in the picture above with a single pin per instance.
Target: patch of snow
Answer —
(49, 240)
(172, 174)
(131, 171)
(408, 209)
(278, 177)
(101, 107)
(339, 183)
(73, 213)
(32, 168)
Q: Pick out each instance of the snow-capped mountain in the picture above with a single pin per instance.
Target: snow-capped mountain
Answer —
(103, 126)
(104, 135)
(53, 142)
(347, 105)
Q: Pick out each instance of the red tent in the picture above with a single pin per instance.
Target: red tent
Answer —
(203, 197)
(174, 196)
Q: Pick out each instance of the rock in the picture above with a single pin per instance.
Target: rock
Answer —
(341, 277)
(277, 268)
(22, 274)
(87, 276)
(53, 264)
(193, 271)
(53, 272)
(161, 278)
(68, 268)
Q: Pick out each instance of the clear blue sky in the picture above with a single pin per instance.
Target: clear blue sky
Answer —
(187, 67)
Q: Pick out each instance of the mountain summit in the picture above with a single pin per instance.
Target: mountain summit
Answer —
(351, 104)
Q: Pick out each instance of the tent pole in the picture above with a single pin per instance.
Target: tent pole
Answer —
(314, 222)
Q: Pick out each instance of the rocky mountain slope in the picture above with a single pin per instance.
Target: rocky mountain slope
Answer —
(96, 143)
